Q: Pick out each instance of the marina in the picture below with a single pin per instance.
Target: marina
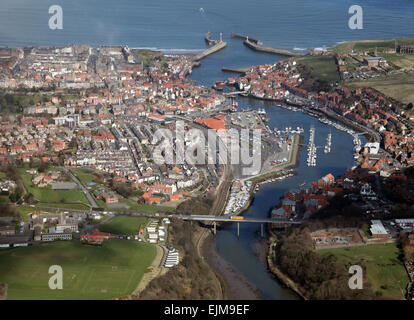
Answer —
(311, 161)
(284, 123)
(285, 174)
(287, 131)
(356, 139)
(327, 148)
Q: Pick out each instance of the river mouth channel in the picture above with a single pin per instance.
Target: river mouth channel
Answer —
(243, 252)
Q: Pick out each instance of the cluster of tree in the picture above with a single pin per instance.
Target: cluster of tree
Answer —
(199, 206)
(407, 247)
(398, 192)
(123, 189)
(409, 172)
(321, 276)
(43, 167)
(14, 103)
(13, 174)
(339, 206)
(6, 210)
(192, 278)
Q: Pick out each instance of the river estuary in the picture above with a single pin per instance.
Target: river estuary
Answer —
(242, 252)
(180, 26)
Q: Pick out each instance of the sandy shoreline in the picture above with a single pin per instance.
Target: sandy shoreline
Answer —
(235, 285)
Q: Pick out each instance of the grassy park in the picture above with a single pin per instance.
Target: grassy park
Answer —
(385, 271)
(89, 272)
(47, 195)
(85, 176)
(323, 67)
(124, 225)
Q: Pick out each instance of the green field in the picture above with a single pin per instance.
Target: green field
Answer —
(385, 271)
(369, 45)
(148, 57)
(147, 208)
(124, 225)
(399, 86)
(85, 176)
(89, 272)
(323, 67)
(78, 206)
(48, 195)
(400, 60)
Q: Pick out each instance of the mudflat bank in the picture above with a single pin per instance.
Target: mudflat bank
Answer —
(235, 285)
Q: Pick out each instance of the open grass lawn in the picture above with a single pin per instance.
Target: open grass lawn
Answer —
(323, 67)
(101, 203)
(147, 208)
(48, 195)
(25, 212)
(124, 225)
(78, 206)
(84, 175)
(385, 271)
(399, 86)
(400, 60)
(148, 57)
(89, 272)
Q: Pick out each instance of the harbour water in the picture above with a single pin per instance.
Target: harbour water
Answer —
(180, 26)
(242, 252)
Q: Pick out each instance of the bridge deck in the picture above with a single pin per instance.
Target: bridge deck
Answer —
(230, 219)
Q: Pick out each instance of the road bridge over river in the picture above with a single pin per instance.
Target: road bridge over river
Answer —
(201, 218)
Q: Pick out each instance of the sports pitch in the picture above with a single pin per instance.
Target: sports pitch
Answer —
(89, 272)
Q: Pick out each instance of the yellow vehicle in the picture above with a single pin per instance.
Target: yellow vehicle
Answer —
(237, 218)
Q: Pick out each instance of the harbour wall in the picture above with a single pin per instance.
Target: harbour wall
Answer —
(237, 70)
(244, 37)
(257, 47)
(217, 47)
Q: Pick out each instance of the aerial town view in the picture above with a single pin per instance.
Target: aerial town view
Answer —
(206, 151)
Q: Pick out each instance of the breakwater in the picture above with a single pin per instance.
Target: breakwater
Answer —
(217, 47)
(207, 38)
(257, 47)
(237, 70)
(244, 37)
